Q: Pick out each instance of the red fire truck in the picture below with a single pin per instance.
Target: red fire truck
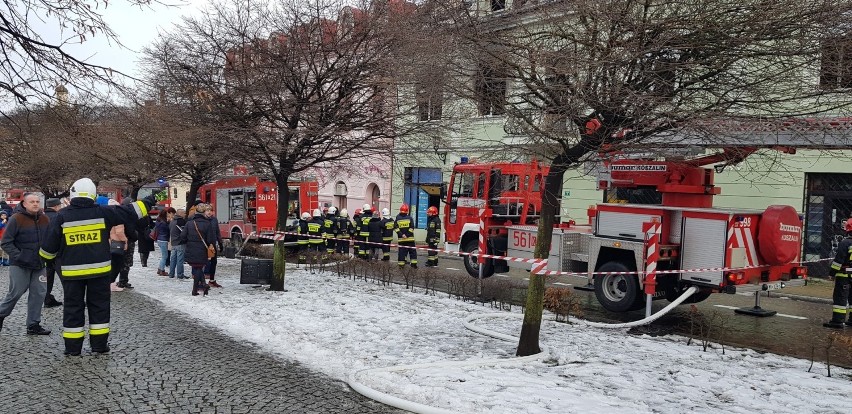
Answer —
(715, 250)
(249, 204)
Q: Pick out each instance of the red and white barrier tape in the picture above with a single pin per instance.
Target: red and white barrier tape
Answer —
(538, 264)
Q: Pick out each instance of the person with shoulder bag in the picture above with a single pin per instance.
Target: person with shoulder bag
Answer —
(197, 236)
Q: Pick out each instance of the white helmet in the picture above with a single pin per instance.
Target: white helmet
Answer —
(85, 188)
(332, 210)
(317, 212)
(306, 216)
(385, 212)
(344, 213)
(366, 207)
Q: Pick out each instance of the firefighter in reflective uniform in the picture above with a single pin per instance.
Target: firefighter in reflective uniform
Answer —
(79, 238)
(433, 235)
(302, 238)
(842, 267)
(344, 232)
(387, 234)
(405, 237)
(362, 226)
(356, 233)
(329, 229)
(316, 244)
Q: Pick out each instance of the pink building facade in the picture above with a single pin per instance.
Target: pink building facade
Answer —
(355, 184)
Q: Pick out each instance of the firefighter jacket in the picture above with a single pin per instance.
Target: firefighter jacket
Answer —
(79, 236)
(315, 230)
(433, 230)
(404, 228)
(361, 225)
(303, 233)
(387, 229)
(344, 227)
(843, 260)
(329, 226)
(374, 228)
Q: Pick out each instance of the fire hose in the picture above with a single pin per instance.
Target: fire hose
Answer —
(419, 408)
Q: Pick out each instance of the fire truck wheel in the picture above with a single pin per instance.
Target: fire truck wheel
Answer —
(618, 292)
(470, 263)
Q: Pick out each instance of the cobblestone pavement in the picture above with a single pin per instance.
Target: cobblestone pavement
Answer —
(161, 362)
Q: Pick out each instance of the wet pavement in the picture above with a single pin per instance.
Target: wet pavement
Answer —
(161, 362)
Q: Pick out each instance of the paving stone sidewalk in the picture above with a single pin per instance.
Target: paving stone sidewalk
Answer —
(161, 362)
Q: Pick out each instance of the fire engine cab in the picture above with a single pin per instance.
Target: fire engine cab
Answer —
(249, 204)
(629, 251)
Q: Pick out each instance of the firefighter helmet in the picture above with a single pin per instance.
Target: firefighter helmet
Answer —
(432, 211)
(85, 188)
(317, 212)
(403, 209)
(344, 213)
(385, 212)
(357, 211)
(325, 210)
(848, 225)
(306, 216)
(332, 210)
(366, 208)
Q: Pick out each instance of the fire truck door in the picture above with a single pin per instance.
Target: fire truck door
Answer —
(222, 213)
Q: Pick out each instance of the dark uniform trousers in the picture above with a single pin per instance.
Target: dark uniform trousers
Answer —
(432, 259)
(406, 249)
(79, 294)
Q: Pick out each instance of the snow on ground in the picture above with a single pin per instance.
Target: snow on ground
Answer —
(338, 326)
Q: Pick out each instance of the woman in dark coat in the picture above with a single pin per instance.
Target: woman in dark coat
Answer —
(146, 244)
(198, 233)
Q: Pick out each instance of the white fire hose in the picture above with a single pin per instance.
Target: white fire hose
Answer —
(419, 408)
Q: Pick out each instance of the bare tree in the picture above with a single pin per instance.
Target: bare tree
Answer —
(579, 78)
(33, 63)
(295, 85)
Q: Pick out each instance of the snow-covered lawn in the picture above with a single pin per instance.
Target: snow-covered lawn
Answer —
(338, 326)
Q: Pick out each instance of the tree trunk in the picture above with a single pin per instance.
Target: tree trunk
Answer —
(529, 341)
(192, 195)
(279, 263)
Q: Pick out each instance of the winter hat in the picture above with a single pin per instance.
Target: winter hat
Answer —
(102, 200)
(52, 202)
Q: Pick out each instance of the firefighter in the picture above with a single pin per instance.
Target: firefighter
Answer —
(841, 267)
(363, 228)
(405, 238)
(329, 230)
(344, 232)
(373, 223)
(433, 235)
(355, 231)
(316, 243)
(302, 238)
(387, 234)
(79, 238)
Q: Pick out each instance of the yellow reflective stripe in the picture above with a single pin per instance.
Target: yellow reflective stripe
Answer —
(73, 335)
(86, 269)
(140, 208)
(841, 274)
(839, 309)
(835, 265)
(95, 332)
(46, 255)
(85, 227)
(84, 222)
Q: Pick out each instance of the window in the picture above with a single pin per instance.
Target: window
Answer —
(836, 66)
(490, 91)
(463, 185)
(511, 182)
(430, 101)
(480, 186)
(497, 5)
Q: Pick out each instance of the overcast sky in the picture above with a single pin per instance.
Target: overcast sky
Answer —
(135, 27)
